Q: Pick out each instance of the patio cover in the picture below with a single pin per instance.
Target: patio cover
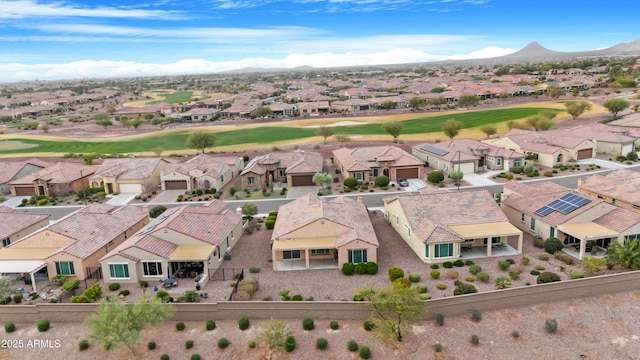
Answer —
(587, 230)
(22, 266)
(479, 231)
(13, 253)
(192, 253)
(305, 243)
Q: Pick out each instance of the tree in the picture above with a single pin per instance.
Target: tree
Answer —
(200, 141)
(44, 127)
(148, 116)
(126, 123)
(393, 128)
(387, 105)
(555, 92)
(451, 128)
(101, 116)
(540, 122)
(456, 176)
(416, 102)
(6, 289)
(342, 138)
(249, 210)
(576, 108)
(155, 211)
(626, 254)
(325, 132)
(136, 123)
(467, 100)
(322, 179)
(275, 335)
(263, 111)
(116, 323)
(104, 123)
(488, 130)
(614, 106)
(158, 151)
(393, 309)
(437, 101)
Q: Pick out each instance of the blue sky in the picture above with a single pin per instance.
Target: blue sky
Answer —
(41, 39)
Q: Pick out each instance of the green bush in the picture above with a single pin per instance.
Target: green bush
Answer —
(334, 325)
(197, 356)
(307, 324)
(440, 319)
(189, 344)
(114, 286)
(538, 242)
(504, 265)
(632, 155)
(514, 274)
(435, 177)
(447, 264)
(539, 267)
(464, 289)
(223, 343)
(164, 357)
(372, 268)
(458, 263)
(475, 269)
(551, 245)
(469, 279)
(243, 323)
(435, 266)
(515, 334)
(322, 344)
(395, 273)
(483, 276)
(252, 344)
(365, 352)
(475, 340)
(296, 297)
(402, 283)
(269, 224)
(547, 277)
(422, 288)
(441, 286)
(9, 327)
(350, 182)
(352, 345)
(180, 326)
(381, 180)
(17, 298)
(425, 296)
(290, 343)
(437, 347)
(576, 274)
(124, 292)
(71, 284)
(369, 325)
(564, 257)
(621, 158)
(83, 345)
(414, 277)
(43, 325)
(551, 325)
(210, 325)
(543, 256)
(435, 274)
(516, 169)
(361, 268)
(348, 269)
(476, 315)
(534, 272)
(524, 261)
(254, 269)
(452, 274)
(151, 345)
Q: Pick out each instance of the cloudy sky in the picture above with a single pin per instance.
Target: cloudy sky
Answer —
(41, 39)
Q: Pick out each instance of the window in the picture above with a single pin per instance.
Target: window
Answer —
(319, 251)
(358, 176)
(357, 256)
(559, 158)
(291, 254)
(516, 162)
(533, 224)
(6, 242)
(426, 251)
(496, 240)
(632, 237)
(498, 161)
(227, 242)
(65, 268)
(251, 180)
(552, 232)
(119, 271)
(443, 250)
(282, 173)
(152, 268)
(218, 250)
(522, 217)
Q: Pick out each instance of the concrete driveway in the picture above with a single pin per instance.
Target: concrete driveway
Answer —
(13, 202)
(166, 196)
(121, 199)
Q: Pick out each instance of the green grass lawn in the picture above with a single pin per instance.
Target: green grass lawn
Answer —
(266, 135)
(174, 98)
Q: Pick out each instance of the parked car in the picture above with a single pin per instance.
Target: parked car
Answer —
(403, 182)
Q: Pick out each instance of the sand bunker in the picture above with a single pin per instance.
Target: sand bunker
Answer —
(14, 145)
(339, 123)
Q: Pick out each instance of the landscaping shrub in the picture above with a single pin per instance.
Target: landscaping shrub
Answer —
(515, 334)
(361, 268)
(435, 177)
(475, 340)
(252, 344)
(632, 155)
(458, 263)
(414, 277)
(475, 269)
(369, 325)
(348, 269)
(510, 261)
(83, 345)
(575, 274)
(539, 267)
(564, 257)
(254, 269)
(9, 327)
(504, 265)
(352, 345)
(440, 319)
(422, 288)
(381, 180)
(180, 326)
(402, 283)
(269, 224)
(372, 268)
(437, 347)
(350, 182)
(514, 274)
(151, 345)
(290, 343)
(452, 274)
(71, 285)
(551, 325)
(425, 296)
(538, 242)
(189, 344)
(516, 169)
(395, 273)
(441, 286)
(469, 279)
(435, 266)
(243, 323)
(483, 276)
(334, 325)
(17, 298)
(164, 357)
(502, 282)
(435, 274)
(197, 356)
(43, 325)
(534, 272)
(447, 264)
(365, 352)
(322, 344)
(543, 256)
(144, 283)
(464, 289)
(457, 282)
(551, 245)
(307, 324)
(524, 261)
(547, 277)
(114, 286)
(476, 315)
(223, 343)
(210, 325)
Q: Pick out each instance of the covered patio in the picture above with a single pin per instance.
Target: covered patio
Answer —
(305, 254)
(586, 237)
(191, 263)
(19, 267)
(487, 238)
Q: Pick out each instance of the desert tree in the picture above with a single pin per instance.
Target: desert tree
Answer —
(437, 101)
(576, 108)
(200, 141)
(101, 116)
(488, 130)
(125, 122)
(342, 139)
(136, 123)
(325, 132)
(322, 179)
(416, 102)
(555, 92)
(263, 111)
(274, 337)
(105, 123)
(614, 106)
(387, 105)
(451, 128)
(6, 289)
(249, 210)
(467, 100)
(393, 128)
(157, 151)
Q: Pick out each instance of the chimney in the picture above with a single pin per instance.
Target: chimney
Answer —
(580, 182)
(359, 199)
(145, 208)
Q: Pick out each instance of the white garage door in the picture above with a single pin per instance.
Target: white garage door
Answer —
(130, 188)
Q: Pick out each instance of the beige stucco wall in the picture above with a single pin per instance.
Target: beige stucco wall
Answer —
(573, 152)
(396, 217)
(133, 271)
(44, 239)
(26, 231)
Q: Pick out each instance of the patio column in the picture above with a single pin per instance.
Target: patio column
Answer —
(306, 258)
(489, 245)
(520, 243)
(33, 281)
(582, 247)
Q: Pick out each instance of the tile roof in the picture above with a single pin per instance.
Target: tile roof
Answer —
(12, 221)
(209, 165)
(621, 184)
(59, 173)
(619, 219)
(9, 169)
(364, 158)
(128, 169)
(294, 162)
(310, 208)
(464, 150)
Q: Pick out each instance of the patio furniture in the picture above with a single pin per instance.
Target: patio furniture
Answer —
(169, 283)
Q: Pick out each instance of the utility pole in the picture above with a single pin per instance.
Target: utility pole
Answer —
(84, 194)
(459, 170)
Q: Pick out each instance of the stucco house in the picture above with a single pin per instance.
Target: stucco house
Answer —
(585, 224)
(467, 155)
(288, 168)
(62, 178)
(73, 245)
(437, 232)
(365, 163)
(620, 187)
(182, 241)
(17, 224)
(201, 172)
(315, 233)
(13, 170)
(131, 175)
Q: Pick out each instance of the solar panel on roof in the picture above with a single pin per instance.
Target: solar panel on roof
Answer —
(435, 150)
(565, 204)
(544, 211)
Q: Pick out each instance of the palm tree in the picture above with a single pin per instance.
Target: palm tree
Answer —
(626, 254)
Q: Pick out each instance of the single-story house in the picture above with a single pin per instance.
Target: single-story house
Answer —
(365, 163)
(467, 155)
(201, 172)
(472, 218)
(620, 187)
(583, 223)
(199, 115)
(62, 178)
(288, 168)
(17, 224)
(315, 233)
(13, 170)
(128, 175)
(73, 245)
(183, 241)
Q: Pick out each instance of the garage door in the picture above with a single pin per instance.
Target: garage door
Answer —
(585, 154)
(407, 173)
(130, 188)
(175, 184)
(302, 180)
(24, 191)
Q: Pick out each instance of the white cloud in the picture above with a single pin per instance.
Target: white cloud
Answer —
(22, 9)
